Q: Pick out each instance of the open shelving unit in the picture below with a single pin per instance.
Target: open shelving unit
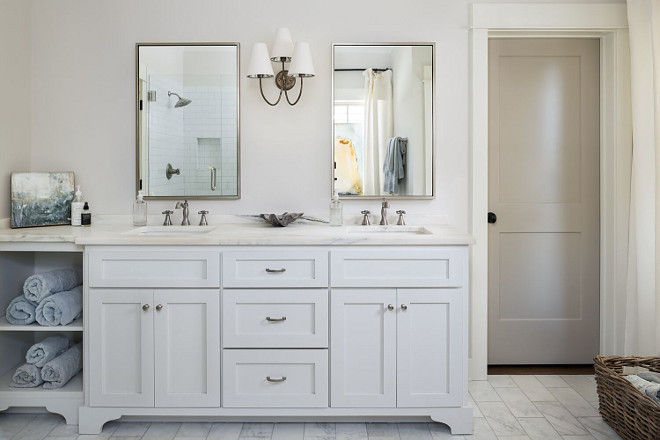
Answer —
(16, 264)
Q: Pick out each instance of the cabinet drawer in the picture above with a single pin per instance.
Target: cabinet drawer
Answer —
(275, 269)
(154, 268)
(275, 318)
(397, 267)
(275, 378)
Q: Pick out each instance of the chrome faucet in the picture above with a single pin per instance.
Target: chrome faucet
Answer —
(383, 212)
(186, 212)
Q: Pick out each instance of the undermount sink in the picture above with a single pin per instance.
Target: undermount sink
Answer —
(389, 230)
(171, 230)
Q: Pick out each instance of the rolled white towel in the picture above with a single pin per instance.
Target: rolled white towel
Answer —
(651, 376)
(47, 350)
(21, 311)
(40, 285)
(26, 376)
(649, 389)
(61, 308)
(60, 370)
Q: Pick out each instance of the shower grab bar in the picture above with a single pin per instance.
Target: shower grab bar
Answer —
(213, 182)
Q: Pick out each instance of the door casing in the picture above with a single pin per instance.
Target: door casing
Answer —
(607, 22)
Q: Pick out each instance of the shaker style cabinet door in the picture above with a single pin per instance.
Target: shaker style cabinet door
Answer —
(187, 351)
(363, 348)
(429, 347)
(121, 339)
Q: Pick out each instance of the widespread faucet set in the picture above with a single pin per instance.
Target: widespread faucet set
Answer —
(186, 215)
(383, 215)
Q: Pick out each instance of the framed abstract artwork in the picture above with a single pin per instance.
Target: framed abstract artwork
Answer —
(41, 199)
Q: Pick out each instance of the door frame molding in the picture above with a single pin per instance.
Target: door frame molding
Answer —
(609, 23)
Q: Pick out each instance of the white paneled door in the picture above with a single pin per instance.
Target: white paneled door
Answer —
(187, 348)
(363, 347)
(121, 345)
(428, 332)
(544, 201)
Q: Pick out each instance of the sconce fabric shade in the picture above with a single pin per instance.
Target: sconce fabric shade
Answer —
(260, 66)
(301, 62)
(283, 46)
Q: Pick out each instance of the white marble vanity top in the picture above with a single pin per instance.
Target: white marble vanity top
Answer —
(245, 233)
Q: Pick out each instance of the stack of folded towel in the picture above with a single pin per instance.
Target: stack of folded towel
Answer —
(50, 362)
(648, 383)
(50, 298)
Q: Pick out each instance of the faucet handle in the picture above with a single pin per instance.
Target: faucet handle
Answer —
(401, 221)
(202, 221)
(365, 219)
(168, 220)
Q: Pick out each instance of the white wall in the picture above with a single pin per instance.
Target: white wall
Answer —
(15, 107)
(83, 68)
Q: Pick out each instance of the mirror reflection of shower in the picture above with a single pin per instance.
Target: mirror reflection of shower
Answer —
(182, 102)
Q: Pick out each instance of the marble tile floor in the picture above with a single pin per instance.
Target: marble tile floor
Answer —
(505, 407)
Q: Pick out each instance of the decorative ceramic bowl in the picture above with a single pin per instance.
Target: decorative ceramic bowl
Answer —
(281, 220)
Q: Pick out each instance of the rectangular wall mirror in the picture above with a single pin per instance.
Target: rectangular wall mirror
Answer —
(383, 131)
(188, 142)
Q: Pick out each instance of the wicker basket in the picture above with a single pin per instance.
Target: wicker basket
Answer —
(626, 409)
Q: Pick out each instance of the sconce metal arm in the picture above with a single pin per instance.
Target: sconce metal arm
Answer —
(299, 94)
(272, 104)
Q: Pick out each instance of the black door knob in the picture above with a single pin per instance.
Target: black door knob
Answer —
(492, 218)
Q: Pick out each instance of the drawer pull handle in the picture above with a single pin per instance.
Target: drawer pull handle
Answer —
(275, 380)
(269, 319)
(275, 270)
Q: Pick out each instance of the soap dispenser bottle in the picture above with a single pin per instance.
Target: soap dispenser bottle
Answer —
(140, 211)
(336, 211)
(77, 207)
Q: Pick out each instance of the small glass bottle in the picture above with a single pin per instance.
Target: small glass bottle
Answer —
(86, 216)
(76, 208)
(336, 211)
(140, 211)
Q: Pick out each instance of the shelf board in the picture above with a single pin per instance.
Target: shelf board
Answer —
(75, 326)
(72, 390)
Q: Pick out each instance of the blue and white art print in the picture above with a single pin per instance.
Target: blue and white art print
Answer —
(41, 199)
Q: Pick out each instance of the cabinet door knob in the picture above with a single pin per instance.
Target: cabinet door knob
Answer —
(275, 379)
(159, 307)
(276, 270)
(145, 307)
(390, 307)
(269, 319)
(404, 307)
(492, 218)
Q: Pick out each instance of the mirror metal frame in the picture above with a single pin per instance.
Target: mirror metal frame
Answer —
(238, 120)
(433, 137)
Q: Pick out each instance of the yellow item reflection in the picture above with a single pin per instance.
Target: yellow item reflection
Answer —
(347, 172)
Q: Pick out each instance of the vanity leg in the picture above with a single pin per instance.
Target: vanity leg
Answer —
(91, 421)
(459, 420)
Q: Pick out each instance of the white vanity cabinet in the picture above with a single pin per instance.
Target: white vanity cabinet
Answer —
(157, 346)
(396, 347)
(339, 332)
(398, 327)
(154, 348)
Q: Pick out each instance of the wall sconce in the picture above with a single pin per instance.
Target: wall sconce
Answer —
(283, 52)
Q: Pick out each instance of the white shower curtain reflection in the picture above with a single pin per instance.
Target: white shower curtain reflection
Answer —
(642, 336)
(378, 127)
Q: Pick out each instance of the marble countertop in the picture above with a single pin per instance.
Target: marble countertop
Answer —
(244, 232)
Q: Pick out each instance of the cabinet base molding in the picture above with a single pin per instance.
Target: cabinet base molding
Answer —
(458, 419)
